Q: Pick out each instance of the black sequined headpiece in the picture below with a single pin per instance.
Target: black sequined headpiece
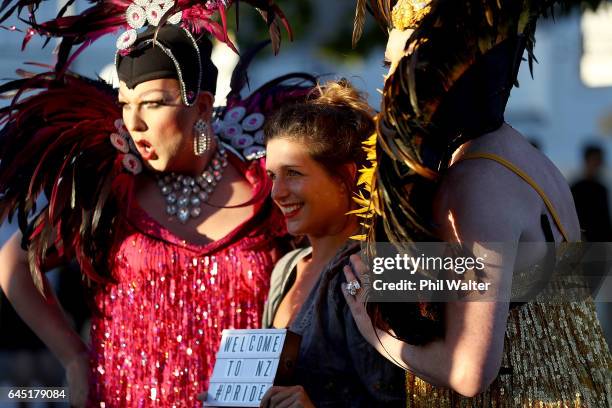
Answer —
(174, 53)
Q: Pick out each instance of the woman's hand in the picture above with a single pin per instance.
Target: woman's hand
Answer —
(468, 358)
(286, 397)
(77, 376)
(383, 342)
(356, 302)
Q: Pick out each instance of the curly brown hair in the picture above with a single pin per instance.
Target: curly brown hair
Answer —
(332, 123)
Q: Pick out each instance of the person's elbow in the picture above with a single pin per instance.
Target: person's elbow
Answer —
(13, 260)
(471, 379)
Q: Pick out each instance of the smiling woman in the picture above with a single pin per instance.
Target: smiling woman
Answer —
(313, 150)
(311, 199)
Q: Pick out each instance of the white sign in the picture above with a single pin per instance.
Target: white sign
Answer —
(248, 363)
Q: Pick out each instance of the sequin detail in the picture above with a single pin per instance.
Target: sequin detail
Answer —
(157, 328)
(555, 355)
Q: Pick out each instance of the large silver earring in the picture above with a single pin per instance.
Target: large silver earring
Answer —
(202, 138)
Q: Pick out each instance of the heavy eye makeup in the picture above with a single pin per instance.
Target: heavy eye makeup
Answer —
(147, 104)
(152, 101)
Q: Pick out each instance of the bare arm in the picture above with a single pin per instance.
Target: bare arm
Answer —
(468, 358)
(45, 317)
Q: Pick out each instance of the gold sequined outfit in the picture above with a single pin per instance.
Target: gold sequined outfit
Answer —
(555, 354)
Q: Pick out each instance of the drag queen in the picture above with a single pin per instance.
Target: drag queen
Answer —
(448, 168)
(165, 207)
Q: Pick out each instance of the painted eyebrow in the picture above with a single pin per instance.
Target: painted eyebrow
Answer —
(121, 98)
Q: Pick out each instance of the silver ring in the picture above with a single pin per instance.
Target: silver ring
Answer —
(353, 287)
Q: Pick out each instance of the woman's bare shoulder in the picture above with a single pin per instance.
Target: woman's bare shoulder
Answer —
(505, 193)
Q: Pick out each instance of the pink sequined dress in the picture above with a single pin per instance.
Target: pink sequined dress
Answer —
(156, 329)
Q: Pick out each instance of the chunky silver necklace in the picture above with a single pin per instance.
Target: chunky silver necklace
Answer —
(185, 195)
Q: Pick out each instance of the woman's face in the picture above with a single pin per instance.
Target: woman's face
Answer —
(312, 201)
(160, 124)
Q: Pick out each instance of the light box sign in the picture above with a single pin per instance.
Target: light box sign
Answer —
(248, 363)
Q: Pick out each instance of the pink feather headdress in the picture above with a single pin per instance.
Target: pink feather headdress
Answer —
(109, 16)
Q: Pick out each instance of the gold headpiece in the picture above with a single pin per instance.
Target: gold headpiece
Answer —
(408, 13)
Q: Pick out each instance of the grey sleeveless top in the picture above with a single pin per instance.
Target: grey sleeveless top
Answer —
(336, 366)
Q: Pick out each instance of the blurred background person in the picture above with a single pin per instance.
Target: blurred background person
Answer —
(591, 197)
(592, 205)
